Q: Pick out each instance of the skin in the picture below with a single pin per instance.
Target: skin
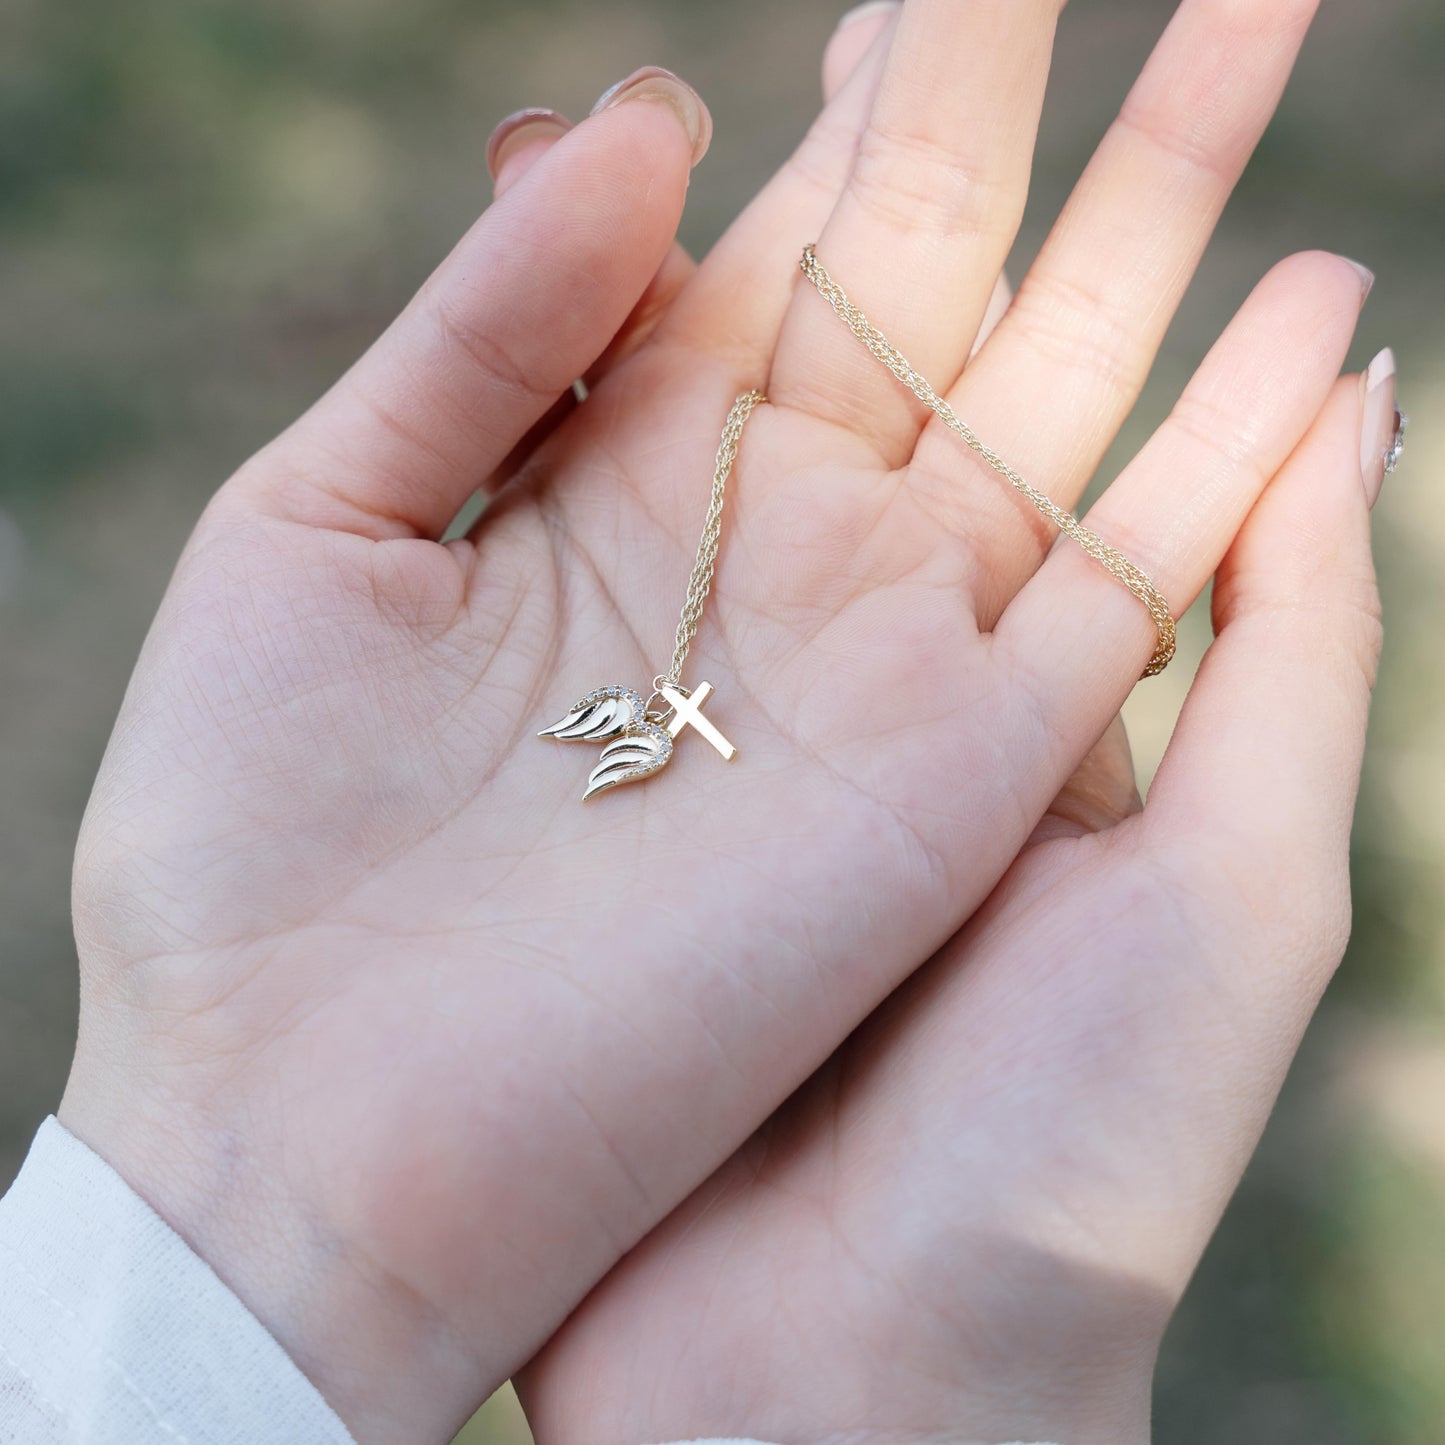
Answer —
(906, 1061)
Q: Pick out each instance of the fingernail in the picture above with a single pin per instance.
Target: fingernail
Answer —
(1382, 427)
(1367, 276)
(654, 83)
(870, 7)
(519, 129)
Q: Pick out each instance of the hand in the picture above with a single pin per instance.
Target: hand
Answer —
(410, 1045)
(975, 1222)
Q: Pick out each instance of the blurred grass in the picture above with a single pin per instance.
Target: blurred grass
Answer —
(207, 208)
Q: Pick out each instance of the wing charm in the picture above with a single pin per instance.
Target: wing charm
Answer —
(638, 743)
(638, 747)
(603, 713)
(642, 750)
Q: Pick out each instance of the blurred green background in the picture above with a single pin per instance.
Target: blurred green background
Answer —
(207, 207)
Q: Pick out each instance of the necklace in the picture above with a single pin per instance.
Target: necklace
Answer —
(1110, 558)
(639, 739)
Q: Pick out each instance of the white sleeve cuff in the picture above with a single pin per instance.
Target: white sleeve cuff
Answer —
(113, 1331)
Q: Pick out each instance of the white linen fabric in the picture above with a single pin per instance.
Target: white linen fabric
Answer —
(113, 1331)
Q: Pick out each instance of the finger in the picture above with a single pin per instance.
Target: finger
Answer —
(931, 207)
(857, 44)
(847, 51)
(1264, 763)
(676, 271)
(997, 309)
(851, 41)
(519, 140)
(1101, 791)
(736, 303)
(1074, 636)
(1090, 314)
(1251, 810)
(1094, 307)
(524, 305)
(851, 48)
(516, 145)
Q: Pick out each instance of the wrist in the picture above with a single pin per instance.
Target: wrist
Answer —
(378, 1354)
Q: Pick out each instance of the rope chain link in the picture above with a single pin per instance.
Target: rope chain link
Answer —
(702, 569)
(1114, 561)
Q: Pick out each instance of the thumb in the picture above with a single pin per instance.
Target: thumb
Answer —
(527, 301)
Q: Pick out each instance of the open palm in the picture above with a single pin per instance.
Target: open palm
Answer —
(409, 1043)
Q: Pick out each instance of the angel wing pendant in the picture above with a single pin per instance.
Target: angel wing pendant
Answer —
(638, 747)
(603, 713)
(643, 749)
(638, 744)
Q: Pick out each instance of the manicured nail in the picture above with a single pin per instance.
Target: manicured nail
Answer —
(521, 128)
(1382, 425)
(1367, 276)
(654, 83)
(869, 7)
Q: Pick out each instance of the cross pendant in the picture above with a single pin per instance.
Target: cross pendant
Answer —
(687, 712)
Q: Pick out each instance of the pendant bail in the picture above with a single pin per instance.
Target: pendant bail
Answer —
(659, 682)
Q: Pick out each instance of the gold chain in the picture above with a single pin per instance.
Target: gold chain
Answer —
(1114, 561)
(702, 570)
